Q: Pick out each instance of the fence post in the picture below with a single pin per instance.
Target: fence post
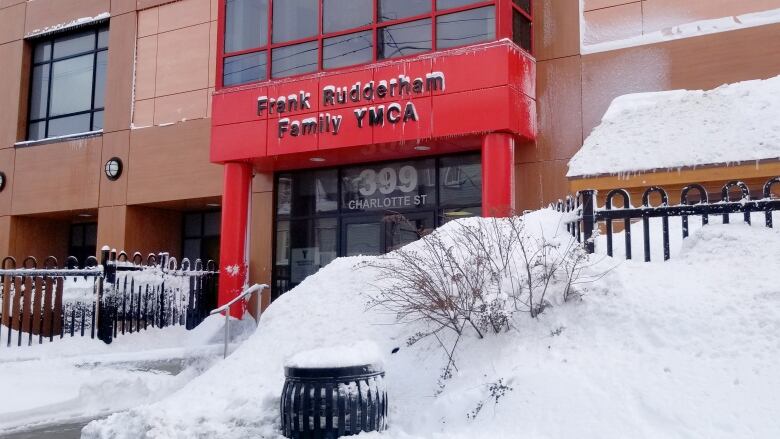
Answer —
(589, 219)
(103, 329)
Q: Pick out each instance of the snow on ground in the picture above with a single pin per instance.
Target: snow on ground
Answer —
(80, 378)
(671, 129)
(682, 349)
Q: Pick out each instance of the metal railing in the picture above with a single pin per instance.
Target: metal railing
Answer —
(254, 289)
(588, 220)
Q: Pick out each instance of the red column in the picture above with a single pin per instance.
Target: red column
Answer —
(235, 218)
(498, 174)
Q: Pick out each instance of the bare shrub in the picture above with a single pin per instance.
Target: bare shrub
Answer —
(477, 275)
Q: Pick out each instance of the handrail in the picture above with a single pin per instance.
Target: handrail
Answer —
(256, 288)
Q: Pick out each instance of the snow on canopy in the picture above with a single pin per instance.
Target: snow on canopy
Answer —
(684, 128)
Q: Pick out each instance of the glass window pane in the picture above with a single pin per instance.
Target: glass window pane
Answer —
(97, 121)
(39, 92)
(212, 223)
(69, 125)
(295, 19)
(284, 194)
(389, 187)
(42, 52)
(36, 131)
(346, 14)
(460, 180)
(521, 30)
(461, 212)
(90, 234)
(310, 192)
(283, 243)
(191, 250)
(405, 39)
(525, 4)
(100, 79)
(103, 38)
(395, 9)
(294, 60)
(72, 44)
(76, 236)
(447, 4)
(363, 239)
(71, 89)
(312, 246)
(467, 27)
(192, 225)
(246, 24)
(241, 69)
(347, 50)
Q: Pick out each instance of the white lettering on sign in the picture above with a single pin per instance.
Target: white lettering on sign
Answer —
(387, 181)
(388, 202)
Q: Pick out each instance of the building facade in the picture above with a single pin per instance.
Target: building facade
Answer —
(276, 135)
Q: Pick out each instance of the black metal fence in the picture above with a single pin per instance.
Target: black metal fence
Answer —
(588, 220)
(103, 299)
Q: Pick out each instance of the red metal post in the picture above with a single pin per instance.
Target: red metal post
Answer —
(498, 173)
(235, 219)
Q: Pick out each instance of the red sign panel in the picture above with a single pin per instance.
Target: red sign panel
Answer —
(433, 99)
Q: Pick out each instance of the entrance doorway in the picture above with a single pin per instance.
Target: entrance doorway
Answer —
(367, 209)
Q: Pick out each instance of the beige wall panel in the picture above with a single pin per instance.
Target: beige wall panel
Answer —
(40, 238)
(146, 67)
(213, 53)
(7, 167)
(660, 14)
(180, 107)
(183, 60)
(214, 10)
(111, 227)
(556, 29)
(7, 3)
(209, 99)
(590, 5)
(260, 250)
(615, 23)
(263, 182)
(151, 230)
(121, 57)
(559, 110)
(5, 237)
(143, 113)
(144, 4)
(693, 63)
(58, 176)
(46, 13)
(12, 76)
(184, 13)
(119, 7)
(555, 186)
(148, 22)
(172, 163)
(12, 23)
(116, 144)
(528, 186)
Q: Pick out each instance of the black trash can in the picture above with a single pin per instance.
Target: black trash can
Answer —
(326, 403)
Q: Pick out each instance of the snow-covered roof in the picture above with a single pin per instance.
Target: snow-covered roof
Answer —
(684, 128)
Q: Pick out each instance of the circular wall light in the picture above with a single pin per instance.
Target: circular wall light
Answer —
(317, 159)
(113, 168)
(2, 181)
(422, 148)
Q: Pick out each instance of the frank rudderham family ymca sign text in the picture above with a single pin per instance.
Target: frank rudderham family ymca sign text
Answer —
(375, 115)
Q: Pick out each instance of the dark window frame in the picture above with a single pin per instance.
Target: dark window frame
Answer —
(201, 235)
(503, 18)
(95, 51)
(82, 251)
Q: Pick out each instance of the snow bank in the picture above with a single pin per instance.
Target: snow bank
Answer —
(672, 129)
(681, 349)
(356, 354)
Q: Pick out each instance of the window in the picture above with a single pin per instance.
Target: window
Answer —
(522, 24)
(366, 209)
(67, 84)
(201, 233)
(266, 39)
(83, 241)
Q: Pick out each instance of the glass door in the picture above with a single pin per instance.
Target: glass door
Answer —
(404, 229)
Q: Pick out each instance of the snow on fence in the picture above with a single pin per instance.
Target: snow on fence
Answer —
(588, 221)
(103, 299)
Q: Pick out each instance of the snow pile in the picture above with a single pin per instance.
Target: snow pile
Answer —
(681, 349)
(666, 130)
(78, 378)
(356, 354)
